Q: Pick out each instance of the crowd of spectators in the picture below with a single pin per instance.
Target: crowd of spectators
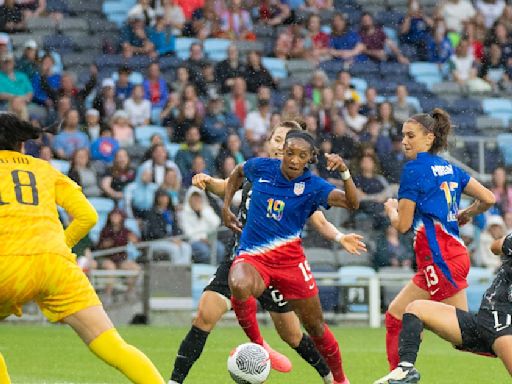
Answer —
(213, 115)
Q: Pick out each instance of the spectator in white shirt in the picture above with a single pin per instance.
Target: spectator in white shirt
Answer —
(353, 119)
(456, 12)
(137, 108)
(257, 123)
(491, 10)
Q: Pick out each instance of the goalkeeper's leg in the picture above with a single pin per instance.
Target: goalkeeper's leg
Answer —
(4, 375)
(97, 331)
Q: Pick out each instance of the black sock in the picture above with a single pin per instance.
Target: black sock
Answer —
(190, 349)
(307, 350)
(410, 338)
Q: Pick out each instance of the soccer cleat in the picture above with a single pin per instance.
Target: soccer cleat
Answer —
(278, 361)
(400, 375)
(173, 382)
(329, 379)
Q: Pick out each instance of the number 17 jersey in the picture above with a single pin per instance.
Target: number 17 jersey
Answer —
(436, 186)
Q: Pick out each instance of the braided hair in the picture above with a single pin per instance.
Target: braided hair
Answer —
(295, 134)
(14, 131)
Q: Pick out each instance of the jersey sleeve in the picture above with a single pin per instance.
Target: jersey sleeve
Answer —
(463, 177)
(323, 189)
(253, 168)
(70, 197)
(507, 245)
(410, 182)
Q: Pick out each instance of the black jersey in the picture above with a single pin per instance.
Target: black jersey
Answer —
(242, 217)
(499, 295)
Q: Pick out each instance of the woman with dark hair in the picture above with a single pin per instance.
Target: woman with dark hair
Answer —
(428, 200)
(387, 120)
(187, 117)
(255, 74)
(345, 44)
(232, 147)
(502, 190)
(118, 176)
(36, 250)
(84, 174)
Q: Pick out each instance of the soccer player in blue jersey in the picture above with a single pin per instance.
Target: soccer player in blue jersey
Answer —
(487, 332)
(428, 200)
(284, 194)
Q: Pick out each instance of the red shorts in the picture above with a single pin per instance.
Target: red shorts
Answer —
(430, 277)
(293, 278)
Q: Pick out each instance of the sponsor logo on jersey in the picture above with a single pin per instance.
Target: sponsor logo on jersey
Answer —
(298, 188)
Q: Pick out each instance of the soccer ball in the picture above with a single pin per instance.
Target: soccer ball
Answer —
(249, 364)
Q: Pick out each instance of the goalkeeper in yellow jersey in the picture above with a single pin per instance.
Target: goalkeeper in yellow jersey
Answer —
(36, 262)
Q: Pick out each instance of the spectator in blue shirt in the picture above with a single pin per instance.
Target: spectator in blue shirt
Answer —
(70, 138)
(415, 27)
(345, 44)
(105, 147)
(135, 37)
(155, 87)
(41, 97)
(439, 47)
(217, 123)
(123, 85)
(192, 148)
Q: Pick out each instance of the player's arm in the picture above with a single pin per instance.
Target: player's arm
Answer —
(351, 242)
(502, 246)
(484, 199)
(211, 184)
(400, 213)
(233, 184)
(70, 197)
(345, 199)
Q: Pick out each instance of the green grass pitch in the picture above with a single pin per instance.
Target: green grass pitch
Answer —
(53, 354)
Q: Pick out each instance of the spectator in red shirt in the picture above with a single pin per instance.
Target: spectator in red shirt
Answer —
(189, 6)
(155, 87)
(317, 42)
(476, 45)
(375, 40)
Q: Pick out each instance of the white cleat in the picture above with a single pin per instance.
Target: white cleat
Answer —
(329, 379)
(400, 375)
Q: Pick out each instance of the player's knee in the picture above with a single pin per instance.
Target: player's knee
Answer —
(396, 309)
(415, 307)
(315, 329)
(293, 339)
(204, 320)
(241, 286)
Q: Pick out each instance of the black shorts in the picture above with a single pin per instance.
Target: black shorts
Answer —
(271, 300)
(480, 330)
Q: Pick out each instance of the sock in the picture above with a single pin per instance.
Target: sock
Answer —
(190, 349)
(308, 352)
(111, 348)
(410, 338)
(393, 328)
(4, 375)
(246, 315)
(330, 350)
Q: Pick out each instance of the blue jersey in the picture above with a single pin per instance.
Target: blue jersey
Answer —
(279, 208)
(436, 187)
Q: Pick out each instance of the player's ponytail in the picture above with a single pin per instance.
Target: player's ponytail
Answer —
(14, 131)
(437, 122)
(441, 129)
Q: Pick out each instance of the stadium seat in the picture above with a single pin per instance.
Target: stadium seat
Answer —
(201, 275)
(359, 84)
(364, 69)
(495, 105)
(299, 66)
(352, 275)
(143, 134)
(410, 99)
(471, 106)
(59, 43)
(262, 30)
(133, 226)
(94, 233)
(391, 34)
(102, 204)
(61, 165)
(421, 68)
(169, 62)
(394, 69)
(276, 67)
(328, 294)
(172, 150)
(447, 88)
(429, 103)
(74, 24)
(244, 47)
(489, 125)
(135, 77)
(112, 61)
(479, 280)
(183, 47)
(504, 116)
(505, 143)
(317, 256)
(40, 24)
(216, 49)
(389, 18)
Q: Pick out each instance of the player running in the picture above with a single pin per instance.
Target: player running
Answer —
(284, 194)
(428, 200)
(488, 332)
(216, 298)
(36, 262)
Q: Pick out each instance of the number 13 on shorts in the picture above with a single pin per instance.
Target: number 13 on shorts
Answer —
(431, 278)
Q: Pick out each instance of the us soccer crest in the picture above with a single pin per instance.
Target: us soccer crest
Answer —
(298, 188)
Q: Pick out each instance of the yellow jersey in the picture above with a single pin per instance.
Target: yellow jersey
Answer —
(30, 190)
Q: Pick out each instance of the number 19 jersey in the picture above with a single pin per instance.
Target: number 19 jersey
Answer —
(30, 190)
(436, 187)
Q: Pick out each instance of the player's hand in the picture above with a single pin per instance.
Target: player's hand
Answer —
(353, 244)
(201, 180)
(463, 217)
(391, 205)
(230, 220)
(335, 163)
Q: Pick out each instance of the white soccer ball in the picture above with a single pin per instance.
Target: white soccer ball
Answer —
(249, 364)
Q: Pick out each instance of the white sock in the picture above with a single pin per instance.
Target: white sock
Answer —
(405, 364)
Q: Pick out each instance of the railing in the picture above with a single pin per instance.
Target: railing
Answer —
(479, 173)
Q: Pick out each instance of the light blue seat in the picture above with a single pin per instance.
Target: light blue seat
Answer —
(201, 275)
(183, 46)
(391, 34)
(111, 7)
(60, 165)
(135, 78)
(479, 279)
(143, 134)
(410, 99)
(102, 204)
(352, 275)
(94, 233)
(496, 105)
(133, 226)
(359, 84)
(172, 150)
(423, 68)
(216, 49)
(504, 116)
(429, 79)
(505, 143)
(275, 66)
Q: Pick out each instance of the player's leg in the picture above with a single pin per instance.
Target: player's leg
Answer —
(440, 318)
(310, 314)
(97, 331)
(4, 375)
(503, 349)
(108, 265)
(288, 327)
(393, 320)
(459, 300)
(212, 306)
